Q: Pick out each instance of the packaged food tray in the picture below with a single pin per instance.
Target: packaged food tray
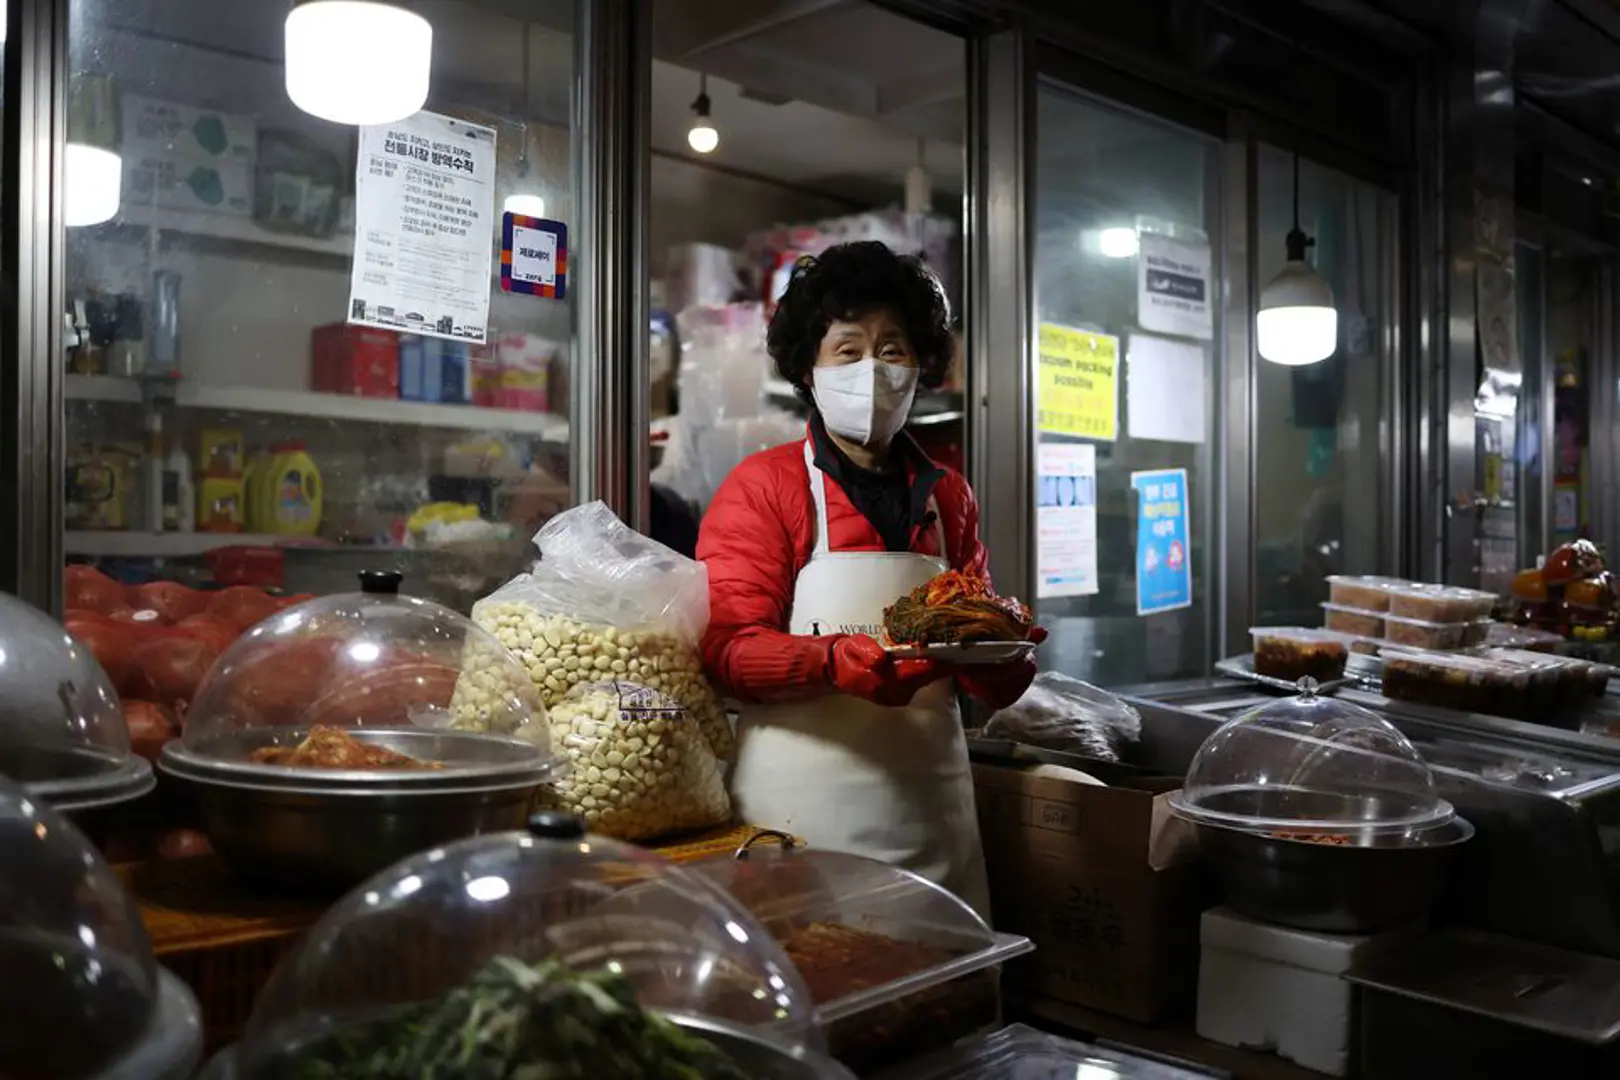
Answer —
(1440, 603)
(1291, 653)
(1367, 592)
(896, 965)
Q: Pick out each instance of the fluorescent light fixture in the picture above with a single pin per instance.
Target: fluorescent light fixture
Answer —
(1298, 322)
(1118, 243)
(358, 61)
(702, 135)
(526, 205)
(91, 182)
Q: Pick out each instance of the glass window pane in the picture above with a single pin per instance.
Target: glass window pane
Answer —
(216, 398)
(1535, 390)
(1317, 429)
(1109, 185)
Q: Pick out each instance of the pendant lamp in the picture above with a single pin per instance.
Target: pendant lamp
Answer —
(702, 135)
(1298, 323)
(357, 61)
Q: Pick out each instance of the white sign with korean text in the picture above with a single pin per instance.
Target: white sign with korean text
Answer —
(1174, 286)
(424, 228)
(534, 256)
(1066, 520)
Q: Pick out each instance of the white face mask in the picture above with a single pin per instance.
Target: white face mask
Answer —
(867, 401)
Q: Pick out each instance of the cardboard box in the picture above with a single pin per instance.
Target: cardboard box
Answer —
(1102, 879)
(358, 360)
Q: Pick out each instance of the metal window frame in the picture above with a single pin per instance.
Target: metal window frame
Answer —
(997, 265)
(609, 402)
(612, 131)
(31, 254)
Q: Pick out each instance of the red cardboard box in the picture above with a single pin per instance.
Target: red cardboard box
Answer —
(1102, 879)
(358, 360)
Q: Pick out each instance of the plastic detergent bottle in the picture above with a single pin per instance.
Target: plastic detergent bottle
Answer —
(291, 484)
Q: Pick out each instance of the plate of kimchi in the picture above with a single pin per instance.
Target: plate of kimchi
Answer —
(957, 617)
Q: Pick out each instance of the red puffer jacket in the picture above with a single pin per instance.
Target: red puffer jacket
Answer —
(758, 534)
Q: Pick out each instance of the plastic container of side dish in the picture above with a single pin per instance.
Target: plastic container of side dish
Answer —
(1291, 653)
(1440, 603)
(486, 921)
(1365, 591)
(895, 964)
(1507, 636)
(1455, 681)
(1476, 632)
(81, 997)
(1358, 622)
(1568, 682)
(1422, 634)
(1314, 766)
(1022, 1053)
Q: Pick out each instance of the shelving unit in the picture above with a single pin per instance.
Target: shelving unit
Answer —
(108, 388)
(228, 228)
(134, 543)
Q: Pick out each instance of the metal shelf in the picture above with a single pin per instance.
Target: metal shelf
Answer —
(228, 228)
(137, 544)
(108, 388)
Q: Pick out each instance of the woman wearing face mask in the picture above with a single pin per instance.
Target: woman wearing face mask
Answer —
(807, 543)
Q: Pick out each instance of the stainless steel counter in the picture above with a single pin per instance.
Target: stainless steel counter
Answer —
(1545, 863)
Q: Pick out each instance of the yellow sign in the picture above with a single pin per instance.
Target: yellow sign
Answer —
(1077, 393)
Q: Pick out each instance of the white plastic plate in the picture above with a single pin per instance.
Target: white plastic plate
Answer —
(975, 652)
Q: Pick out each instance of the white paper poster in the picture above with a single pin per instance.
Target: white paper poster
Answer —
(1164, 390)
(424, 227)
(1173, 286)
(1066, 521)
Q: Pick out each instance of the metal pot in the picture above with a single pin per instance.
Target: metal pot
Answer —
(1375, 882)
(328, 830)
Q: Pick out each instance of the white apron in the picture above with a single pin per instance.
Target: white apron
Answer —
(849, 775)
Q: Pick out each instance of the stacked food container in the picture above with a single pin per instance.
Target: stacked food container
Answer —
(1406, 612)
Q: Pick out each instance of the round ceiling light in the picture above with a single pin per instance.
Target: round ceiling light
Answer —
(1118, 243)
(525, 206)
(358, 61)
(91, 182)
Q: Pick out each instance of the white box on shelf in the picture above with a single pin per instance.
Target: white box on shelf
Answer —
(185, 133)
(1266, 987)
(218, 187)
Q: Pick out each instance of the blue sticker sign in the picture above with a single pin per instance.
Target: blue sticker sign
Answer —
(1163, 557)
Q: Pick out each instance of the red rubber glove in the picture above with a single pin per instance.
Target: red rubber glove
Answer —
(859, 666)
(999, 685)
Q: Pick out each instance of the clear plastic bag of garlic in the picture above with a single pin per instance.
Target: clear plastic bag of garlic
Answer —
(639, 766)
(561, 653)
(605, 602)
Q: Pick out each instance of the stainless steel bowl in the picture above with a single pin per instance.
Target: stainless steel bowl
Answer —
(761, 1056)
(329, 829)
(1375, 882)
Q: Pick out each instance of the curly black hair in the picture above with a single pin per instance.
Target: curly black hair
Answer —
(846, 282)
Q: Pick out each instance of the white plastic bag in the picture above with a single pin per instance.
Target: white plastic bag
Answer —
(605, 602)
(640, 766)
(1058, 712)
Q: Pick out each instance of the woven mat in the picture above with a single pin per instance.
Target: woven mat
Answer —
(198, 903)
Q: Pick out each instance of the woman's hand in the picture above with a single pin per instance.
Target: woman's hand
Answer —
(859, 666)
(999, 685)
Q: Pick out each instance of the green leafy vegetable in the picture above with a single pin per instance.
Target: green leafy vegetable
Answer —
(514, 1021)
